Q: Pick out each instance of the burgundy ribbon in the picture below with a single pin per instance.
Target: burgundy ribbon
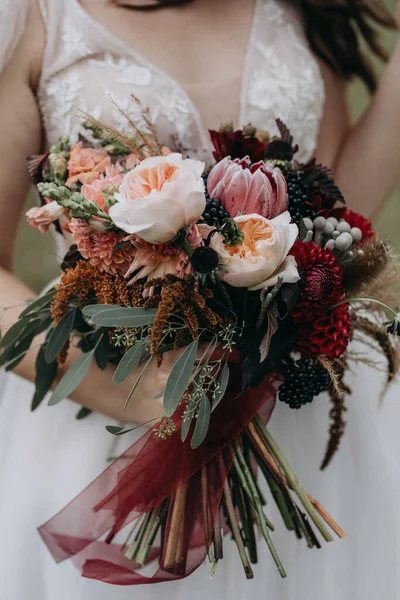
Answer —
(150, 471)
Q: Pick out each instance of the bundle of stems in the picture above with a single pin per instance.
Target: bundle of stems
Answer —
(241, 512)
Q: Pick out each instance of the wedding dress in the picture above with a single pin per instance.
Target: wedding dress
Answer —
(46, 458)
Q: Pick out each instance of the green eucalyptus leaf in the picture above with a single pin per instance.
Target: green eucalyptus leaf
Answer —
(45, 376)
(120, 245)
(102, 351)
(72, 378)
(223, 381)
(60, 336)
(128, 363)
(125, 317)
(179, 378)
(118, 430)
(186, 427)
(202, 423)
(19, 351)
(83, 413)
(15, 332)
(93, 309)
(38, 304)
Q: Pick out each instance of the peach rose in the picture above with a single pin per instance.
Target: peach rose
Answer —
(86, 164)
(262, 258)
(158, 198)
(42, 217)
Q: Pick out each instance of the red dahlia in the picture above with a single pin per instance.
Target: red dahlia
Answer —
(321, 284)
(329, 335)
(236, 145)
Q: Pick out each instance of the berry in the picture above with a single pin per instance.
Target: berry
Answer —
(298, 198)
(214, 214)
(303, 382)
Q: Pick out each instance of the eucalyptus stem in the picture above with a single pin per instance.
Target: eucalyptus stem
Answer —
(260, 513)
(367, 300)
(236, 532)
(186, 247)
(292, 479)
(134, 547)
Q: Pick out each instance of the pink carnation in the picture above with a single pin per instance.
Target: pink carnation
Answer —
(94, 191)
(98, 248)
(86, 164)
(158, 260)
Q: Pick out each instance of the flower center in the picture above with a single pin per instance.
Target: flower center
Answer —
(254, 230)
(318, 283)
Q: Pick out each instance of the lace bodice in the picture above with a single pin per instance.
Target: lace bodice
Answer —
(85, 64)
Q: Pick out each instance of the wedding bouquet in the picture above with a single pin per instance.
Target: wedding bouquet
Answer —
(255, 271)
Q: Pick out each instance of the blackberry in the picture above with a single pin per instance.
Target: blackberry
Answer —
(303, 382)
(214, 213)
(298, 198)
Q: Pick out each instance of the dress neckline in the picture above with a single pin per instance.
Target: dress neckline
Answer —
(128, 49)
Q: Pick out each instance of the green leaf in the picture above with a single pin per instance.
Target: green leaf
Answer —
(128, 363)
(102, 351)
(38, 304)
(45, 376)
(125, 317)
(19, 351)
(179, 379)
(120, 245)
(72, 378)
(83, 413)
(14, 332)
(93, 309)
(60, 336)
(118, 430)
(186, 427)
(202, 423)
(223, 381)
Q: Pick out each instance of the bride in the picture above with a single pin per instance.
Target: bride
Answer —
(195, 63)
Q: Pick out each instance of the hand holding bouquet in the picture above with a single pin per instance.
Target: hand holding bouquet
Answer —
(250, 271)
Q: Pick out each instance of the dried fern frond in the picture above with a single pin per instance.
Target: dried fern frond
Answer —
(384, 340)
(386, 287)
(360, 274)
(113, 133)
(337, 392)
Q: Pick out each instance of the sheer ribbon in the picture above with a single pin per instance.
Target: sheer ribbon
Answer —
(141, 479)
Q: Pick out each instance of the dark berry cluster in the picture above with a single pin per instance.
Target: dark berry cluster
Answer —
(298, 198)
(304, 380)
(214, 213)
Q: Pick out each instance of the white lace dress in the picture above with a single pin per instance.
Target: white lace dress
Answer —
(46, 458)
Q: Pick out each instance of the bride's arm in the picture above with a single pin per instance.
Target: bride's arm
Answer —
(20, 128)
(366, 156)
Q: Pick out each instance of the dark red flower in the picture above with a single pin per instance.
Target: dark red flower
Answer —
(236, 145)
(321, 284)
(328, 336)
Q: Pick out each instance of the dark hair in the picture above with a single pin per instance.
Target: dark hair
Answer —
(336, 30)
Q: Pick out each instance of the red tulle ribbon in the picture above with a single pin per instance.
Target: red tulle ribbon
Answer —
(150, 471)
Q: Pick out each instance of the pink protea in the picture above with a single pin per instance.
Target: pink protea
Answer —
(98, 248)
(158, 260)
(246, 188)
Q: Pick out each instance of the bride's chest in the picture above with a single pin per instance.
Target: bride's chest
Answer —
(91, 69)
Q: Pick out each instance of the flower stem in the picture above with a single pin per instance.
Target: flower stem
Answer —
(236, 532)
(186, 247)
(369, 300)
(293, 480)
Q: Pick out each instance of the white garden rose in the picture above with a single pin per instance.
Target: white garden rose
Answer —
(159, 197)
(262, 258)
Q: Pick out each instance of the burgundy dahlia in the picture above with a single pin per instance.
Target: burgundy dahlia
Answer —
(236, 145)
(329, 335)
(321, 285)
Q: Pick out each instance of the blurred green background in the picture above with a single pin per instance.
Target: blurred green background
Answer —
(35, 259)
